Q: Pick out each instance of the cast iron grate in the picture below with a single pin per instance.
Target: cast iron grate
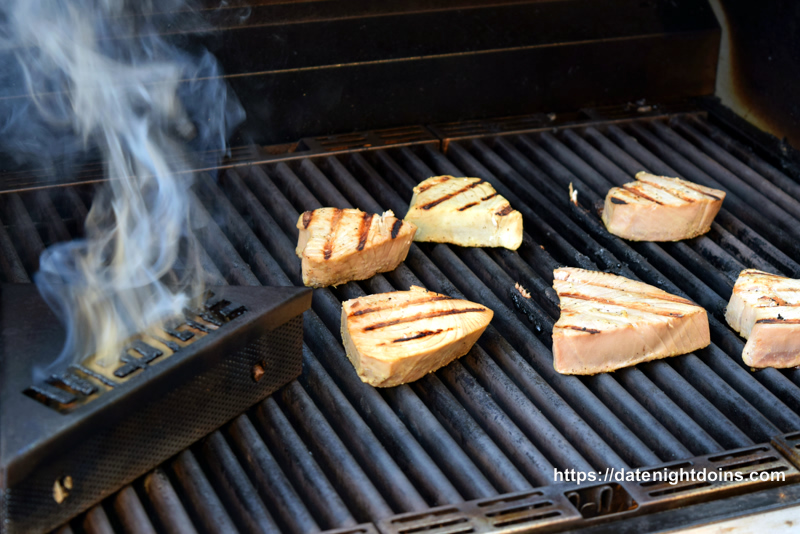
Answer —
(328, 452)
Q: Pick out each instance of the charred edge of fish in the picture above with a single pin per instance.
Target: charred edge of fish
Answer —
(504, 211)
(640, 307)
(779, 320)
(401, 306)
(424, 333)
(468, 206)
(582, 329)
(615, 200)
(638, 193)
(675, 193)
(363, 230)
(419, 317)
(327, 250)
(396, 228)
(423, 188)
(307, 216)
(448, 196)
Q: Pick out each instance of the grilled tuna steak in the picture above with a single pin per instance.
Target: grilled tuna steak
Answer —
(657, 208)
(765, 309)
(463, 211)
(398, 337)
(608, 322)
(340, 245)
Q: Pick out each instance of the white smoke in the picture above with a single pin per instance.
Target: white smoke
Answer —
(98, 77)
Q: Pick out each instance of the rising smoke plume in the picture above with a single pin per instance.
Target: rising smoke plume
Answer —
(94, 76)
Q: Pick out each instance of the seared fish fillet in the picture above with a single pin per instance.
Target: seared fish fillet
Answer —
(657, 208)
(340, 245)
(765, 309)
(463, 211)
(608, 322)
(398, 337)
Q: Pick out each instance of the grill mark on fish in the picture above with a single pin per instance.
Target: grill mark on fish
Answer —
(672, 192)
(615, 200)
(424, 333)
(640, 307)
(423, 188)
(581, 329)
(778, 321)
(400, 306)
(638, 193)
(396, 228)
(471, 204)
(667, 296)
(762, 273)
(685, 184)
(778, 289)
(327, 249)
(363, 230)
(505, 210)
(420, 316)
(448, 196)
(778, 302)
(307, 216)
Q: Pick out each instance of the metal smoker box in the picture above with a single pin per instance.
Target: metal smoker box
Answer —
(73, 438)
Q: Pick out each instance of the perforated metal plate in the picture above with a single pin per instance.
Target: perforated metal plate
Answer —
(564, 506)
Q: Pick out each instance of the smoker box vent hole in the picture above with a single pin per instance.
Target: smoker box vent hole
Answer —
(88, 380)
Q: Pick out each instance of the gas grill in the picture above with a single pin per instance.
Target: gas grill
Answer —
(473, 447)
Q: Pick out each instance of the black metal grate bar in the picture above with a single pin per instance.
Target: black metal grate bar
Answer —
(740, 159)
(165, 504)
(132, 515)
(269, 479)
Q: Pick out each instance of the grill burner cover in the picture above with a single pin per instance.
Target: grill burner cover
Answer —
(70, 440)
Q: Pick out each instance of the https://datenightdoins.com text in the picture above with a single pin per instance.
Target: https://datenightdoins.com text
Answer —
(670, 476)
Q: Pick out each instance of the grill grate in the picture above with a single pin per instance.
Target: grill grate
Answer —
(484, 434)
